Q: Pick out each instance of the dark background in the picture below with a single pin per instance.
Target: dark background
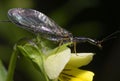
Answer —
(90, 18)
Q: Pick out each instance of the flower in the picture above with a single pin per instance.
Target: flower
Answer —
(72, 72)
(58, 63)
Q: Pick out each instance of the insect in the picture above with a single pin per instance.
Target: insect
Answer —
(37, 22)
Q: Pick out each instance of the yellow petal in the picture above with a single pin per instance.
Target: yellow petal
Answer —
(74, 74)
(80, 59)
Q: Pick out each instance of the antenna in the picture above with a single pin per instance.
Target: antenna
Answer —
(111, 36)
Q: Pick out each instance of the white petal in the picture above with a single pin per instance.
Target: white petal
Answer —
(55, 63)
(80, 59)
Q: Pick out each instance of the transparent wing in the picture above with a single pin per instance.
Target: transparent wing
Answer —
(37, 22)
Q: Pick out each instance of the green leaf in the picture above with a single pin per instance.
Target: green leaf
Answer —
(3, 72)
(33, 53)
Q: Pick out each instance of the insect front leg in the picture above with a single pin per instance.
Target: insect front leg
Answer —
(89, 40)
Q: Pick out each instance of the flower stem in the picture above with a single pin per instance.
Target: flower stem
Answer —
(12, 65)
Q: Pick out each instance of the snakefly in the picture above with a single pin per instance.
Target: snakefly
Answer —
(39, 23)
